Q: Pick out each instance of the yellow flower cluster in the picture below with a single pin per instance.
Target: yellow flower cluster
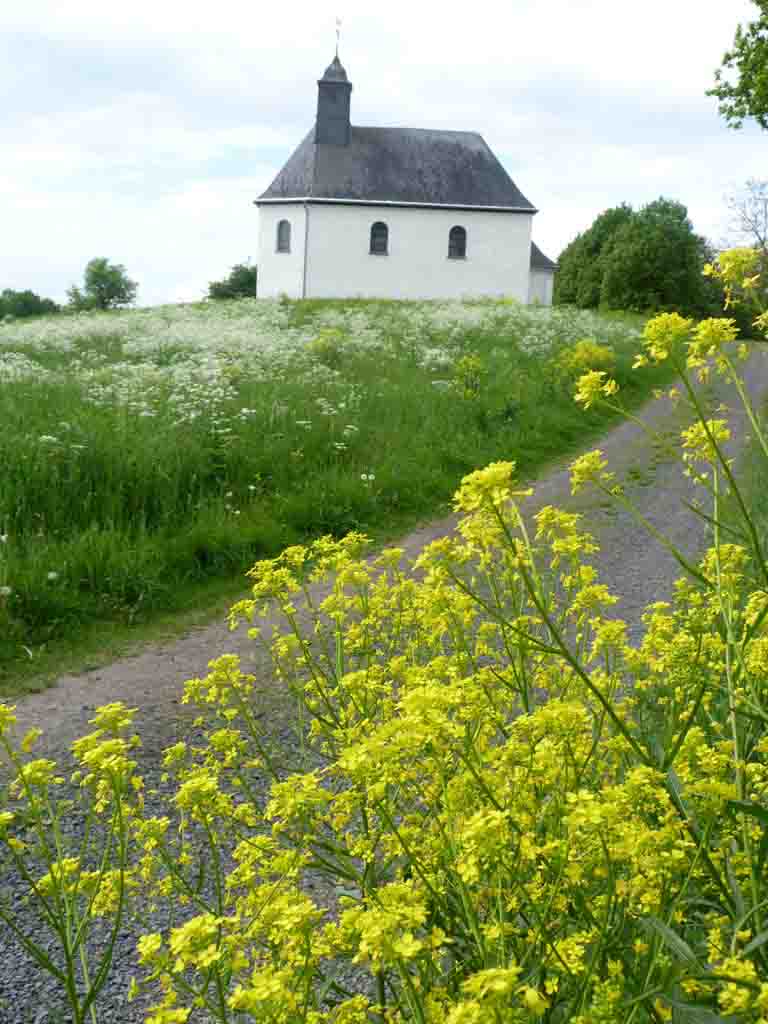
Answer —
(663, 335)
(590, 468)
(709, 339)
(506, 816)
(739, 271)
(702, 440)
(594, 386)
(586, 355)
(469, 374)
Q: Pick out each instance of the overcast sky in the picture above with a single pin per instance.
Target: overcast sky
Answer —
(142, 132)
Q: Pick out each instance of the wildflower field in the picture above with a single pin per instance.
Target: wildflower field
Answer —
(524, 816)
(145, 452)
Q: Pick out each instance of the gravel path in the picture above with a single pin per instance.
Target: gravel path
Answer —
(634, 565)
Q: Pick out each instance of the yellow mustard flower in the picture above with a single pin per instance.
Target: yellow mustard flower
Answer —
(663, 333)
(7, 718)
(533, 1000)
(709, 338)
(593, 386)
(700, 438)
(590, 468)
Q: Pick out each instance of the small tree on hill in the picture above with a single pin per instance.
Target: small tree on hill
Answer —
(240, 284)
(106, 286)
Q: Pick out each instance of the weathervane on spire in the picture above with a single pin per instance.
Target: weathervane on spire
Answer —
(338, 35)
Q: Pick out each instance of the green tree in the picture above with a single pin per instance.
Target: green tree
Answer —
(106, 286)
(23, 304)
(643, 260)
(241, 283)
(579, 274)
(741, 84)
(655, 262)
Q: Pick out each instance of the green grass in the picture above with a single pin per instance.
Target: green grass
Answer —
(149, 458)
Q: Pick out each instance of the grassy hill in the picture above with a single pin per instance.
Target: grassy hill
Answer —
(146, 453)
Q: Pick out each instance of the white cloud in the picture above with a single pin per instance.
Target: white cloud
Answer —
(143, 133)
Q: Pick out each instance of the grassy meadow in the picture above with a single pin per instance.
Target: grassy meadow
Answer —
(145, 453)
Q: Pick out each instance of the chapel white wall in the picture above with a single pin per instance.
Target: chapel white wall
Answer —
(281, 273)
(339, 263)
(542, 284)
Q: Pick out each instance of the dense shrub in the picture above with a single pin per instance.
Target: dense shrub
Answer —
(239, 284)
(645, 260)
(18, 305)
(579, 277)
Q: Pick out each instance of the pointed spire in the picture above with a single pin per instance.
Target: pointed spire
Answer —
(333, 106)
(335, 71)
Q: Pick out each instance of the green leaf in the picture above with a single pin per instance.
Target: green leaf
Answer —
(695, 1013)
(676, 792)
(762, 853)
(754, 811)
(747, 807)
(672, 940)
(759, 940)
(738, 897)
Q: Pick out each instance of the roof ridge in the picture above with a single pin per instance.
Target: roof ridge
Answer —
(410, 128)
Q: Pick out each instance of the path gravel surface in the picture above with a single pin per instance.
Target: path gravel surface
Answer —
(636, 567)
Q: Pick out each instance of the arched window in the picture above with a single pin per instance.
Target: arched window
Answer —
(379, 238)
(283, 236)
(457, 243)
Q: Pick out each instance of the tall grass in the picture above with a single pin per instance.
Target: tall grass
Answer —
(142, 452)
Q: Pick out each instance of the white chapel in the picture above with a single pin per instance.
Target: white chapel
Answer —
(396, 213)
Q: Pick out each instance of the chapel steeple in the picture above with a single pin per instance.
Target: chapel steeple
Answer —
(333, 102)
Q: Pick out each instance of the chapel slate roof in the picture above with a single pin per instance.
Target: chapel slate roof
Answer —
(405, 165)
(539, 261)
